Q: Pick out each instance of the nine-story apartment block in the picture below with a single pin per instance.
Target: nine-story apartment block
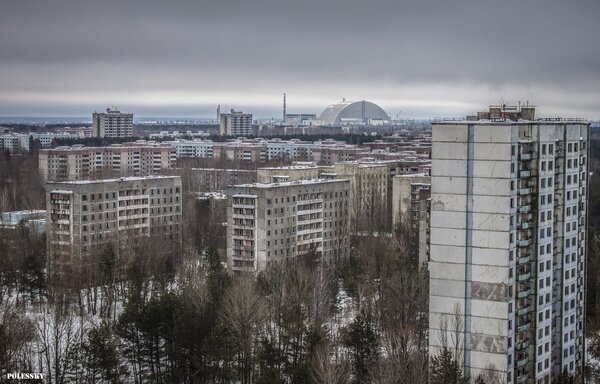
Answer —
(274, 222)
(78, 162)
(85, 215)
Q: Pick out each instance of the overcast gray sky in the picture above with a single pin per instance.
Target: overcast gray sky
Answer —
(183, 57)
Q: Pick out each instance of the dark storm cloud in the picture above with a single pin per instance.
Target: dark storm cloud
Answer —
(184, 56)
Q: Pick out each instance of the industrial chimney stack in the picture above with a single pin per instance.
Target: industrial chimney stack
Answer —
(284, 109)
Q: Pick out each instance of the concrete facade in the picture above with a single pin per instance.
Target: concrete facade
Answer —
(112, 123)
(411, 203)
(79, 163)
(15, 143)
(508, 245)
(83, 215)
(294, 172)
(404, 191)
(274, 222)
(236, 123)
(22, 142)
(214, 179)
(369, 184)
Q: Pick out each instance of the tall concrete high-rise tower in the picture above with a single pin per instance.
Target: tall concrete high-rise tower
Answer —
(236, 123)
(508, 243)
(284, 108)
(112, 123)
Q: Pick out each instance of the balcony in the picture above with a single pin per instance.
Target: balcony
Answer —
(523, 345)
(524, 243)
(523, 328)
(522, 362)
(525, 225)
(524, 276)
(525, 156)
(523, 294)
(525, 191)
(524, 259)
(525, 173)
(523, 311)
(525, 209)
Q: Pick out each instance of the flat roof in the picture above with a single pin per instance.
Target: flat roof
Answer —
(292, 183)
(26, 211)
(548, 121)
(413, 175)
(290, 167)
(99, 181)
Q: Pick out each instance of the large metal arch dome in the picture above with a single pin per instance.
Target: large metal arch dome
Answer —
(358, 111)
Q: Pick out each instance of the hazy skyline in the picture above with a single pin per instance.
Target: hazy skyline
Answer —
(182, 58)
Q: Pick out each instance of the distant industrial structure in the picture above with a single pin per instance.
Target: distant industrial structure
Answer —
(296, 119)
(112, 123)
(353, 113)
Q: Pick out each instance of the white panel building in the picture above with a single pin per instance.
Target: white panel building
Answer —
(273, 222)
(84, 215)
(508, 244)
(112, 123)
